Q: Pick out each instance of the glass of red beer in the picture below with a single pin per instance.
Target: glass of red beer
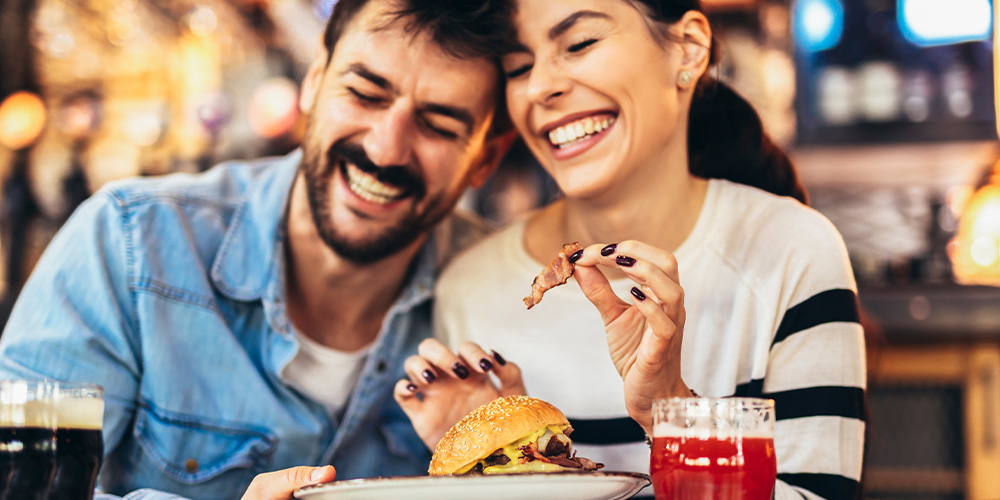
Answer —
(718, 448)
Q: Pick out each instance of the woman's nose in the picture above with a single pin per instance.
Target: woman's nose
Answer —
(545, 84)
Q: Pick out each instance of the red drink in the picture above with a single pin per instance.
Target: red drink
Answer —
(687, 468)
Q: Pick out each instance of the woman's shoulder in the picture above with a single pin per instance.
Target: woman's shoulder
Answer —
(761, 215)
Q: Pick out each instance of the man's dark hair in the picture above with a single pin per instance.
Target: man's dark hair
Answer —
(465, 29)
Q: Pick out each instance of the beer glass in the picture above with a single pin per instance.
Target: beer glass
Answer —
(27, 439)
(79, 412)
(718, 448)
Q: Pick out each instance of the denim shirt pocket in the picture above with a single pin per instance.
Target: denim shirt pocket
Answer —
(191, 451)
(407, 453)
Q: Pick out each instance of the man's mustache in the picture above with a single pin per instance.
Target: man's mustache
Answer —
(395, 175)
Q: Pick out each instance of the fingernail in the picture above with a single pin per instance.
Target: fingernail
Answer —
(411, 387)
(622, 260)
(485, 364)
(429, 376)
(499, 358)
(575, 257)
(638, 293)
(318, 474)
(608, 250)
(460, 370)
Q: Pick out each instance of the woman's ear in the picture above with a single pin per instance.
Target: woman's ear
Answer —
(313, 80)
(697, 46)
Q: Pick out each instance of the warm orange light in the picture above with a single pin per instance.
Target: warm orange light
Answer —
(22, 117)
(996, 63)
(975, 251)
(274, 107)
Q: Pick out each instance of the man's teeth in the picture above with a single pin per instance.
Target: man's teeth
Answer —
(367, 187)
(572, 133)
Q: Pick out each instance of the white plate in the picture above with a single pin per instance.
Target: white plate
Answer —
(597, 485)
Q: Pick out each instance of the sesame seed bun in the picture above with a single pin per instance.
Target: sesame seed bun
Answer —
(490, 427)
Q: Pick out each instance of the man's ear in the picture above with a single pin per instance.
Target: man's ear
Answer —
(313, 80)
(697, 46)
(494, 149)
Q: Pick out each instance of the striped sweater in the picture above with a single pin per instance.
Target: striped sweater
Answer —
(771, 311)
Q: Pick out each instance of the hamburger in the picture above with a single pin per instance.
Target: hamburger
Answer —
(509, 435)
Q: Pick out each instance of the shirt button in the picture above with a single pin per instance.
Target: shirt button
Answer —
(380, 367)
(191, 465)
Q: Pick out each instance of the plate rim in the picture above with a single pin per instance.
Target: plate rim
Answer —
(488, 477)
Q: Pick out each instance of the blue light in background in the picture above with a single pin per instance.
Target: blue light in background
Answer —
(818, 24)
(939, 22)
(324, 8)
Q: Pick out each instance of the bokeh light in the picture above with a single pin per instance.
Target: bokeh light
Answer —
(22, 118)
(274, 107)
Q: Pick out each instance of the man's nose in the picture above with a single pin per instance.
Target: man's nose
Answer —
(389, 142)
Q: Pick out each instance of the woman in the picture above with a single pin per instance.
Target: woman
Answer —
(656, 162)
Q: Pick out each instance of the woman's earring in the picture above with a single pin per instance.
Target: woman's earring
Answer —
(686, 77)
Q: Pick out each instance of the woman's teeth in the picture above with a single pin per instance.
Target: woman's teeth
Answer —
(572, 133)
(368, 188)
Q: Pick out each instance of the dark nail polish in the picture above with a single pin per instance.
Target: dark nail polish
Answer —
(411, 388)
(575, 257)
(608, 250)
(429, 376)
(638, 293)
(460, 370)
(622, 260)
(485, 364)
(499, 358)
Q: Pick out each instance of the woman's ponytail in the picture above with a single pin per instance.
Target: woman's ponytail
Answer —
(726, 140)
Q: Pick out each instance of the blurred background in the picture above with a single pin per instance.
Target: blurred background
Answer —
(886, 106)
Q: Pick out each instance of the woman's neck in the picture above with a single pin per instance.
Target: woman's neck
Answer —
(660, 207)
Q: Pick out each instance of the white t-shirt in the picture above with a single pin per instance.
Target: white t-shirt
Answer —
(752, 262)
(326, 375)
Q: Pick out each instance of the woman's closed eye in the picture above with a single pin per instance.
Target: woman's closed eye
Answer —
(518, 71)
(579, 47)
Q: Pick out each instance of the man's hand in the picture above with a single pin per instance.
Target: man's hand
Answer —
(443, 386)
(279, 485)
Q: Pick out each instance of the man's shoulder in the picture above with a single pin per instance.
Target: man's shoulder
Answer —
(222, 187)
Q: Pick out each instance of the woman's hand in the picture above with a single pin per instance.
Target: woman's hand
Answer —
(644, 338)
(443, 386)
(281, 484)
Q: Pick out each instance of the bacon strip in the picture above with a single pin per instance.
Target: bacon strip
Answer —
(554, 275)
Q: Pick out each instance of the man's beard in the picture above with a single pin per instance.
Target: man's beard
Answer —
(318, 177)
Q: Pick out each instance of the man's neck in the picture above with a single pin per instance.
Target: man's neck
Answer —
(334, 301)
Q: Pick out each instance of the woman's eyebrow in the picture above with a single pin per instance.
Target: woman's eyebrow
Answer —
(564, 25)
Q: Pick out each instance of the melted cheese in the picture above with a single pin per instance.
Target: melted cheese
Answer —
(513, 452)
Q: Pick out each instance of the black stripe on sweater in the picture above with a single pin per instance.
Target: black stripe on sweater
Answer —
(834, 401)
(829, 486)
(606, 431)
(825, 307)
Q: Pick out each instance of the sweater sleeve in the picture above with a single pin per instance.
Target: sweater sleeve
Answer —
(815, 370)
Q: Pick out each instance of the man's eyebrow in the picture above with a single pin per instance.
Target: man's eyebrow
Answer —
(572, 19)
(366, 73)
(461, 114)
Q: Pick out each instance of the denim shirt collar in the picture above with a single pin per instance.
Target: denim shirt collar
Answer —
(250, 263)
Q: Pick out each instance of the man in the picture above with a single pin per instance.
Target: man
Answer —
(255, 318)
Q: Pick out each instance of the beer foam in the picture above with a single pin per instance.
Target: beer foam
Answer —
(665, 429)
(80, 413)
(27, 414)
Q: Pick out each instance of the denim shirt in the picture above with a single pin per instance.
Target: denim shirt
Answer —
(170, 293)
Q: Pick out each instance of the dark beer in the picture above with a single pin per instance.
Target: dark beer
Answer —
(27, 462)
(78, 458)
(79, 445)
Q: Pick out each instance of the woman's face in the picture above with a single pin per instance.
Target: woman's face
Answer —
(593, 93)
